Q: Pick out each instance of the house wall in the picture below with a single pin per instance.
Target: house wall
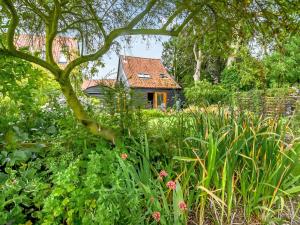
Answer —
(93, 91)
(171, 94)
(121, 77)
(140, 94)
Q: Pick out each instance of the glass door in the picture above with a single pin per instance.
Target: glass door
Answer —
(161, 100)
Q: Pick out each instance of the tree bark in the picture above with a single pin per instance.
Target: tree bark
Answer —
(81, 114)
(198, 59)
(232, 57)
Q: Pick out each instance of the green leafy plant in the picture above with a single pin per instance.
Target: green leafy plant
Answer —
(206, 93)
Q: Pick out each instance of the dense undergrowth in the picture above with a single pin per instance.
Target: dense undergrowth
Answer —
(223, 169)
(191, 167)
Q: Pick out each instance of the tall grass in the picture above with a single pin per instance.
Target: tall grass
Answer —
(231, 168)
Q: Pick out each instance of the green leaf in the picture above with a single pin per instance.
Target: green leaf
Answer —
(185, 159)
(20, 155)
(293, 190)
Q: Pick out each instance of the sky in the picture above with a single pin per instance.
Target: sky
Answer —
(139, 46)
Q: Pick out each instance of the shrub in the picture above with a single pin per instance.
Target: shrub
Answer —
(152, 113)
(95, 190)
(245, 74)
(282, 66)
(206, 93)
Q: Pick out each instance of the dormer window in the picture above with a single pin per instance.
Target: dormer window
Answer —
(163, 75)
(144, 75)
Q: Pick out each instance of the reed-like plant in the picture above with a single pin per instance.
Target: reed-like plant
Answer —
(231, 167)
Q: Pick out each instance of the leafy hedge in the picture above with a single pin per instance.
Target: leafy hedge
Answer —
(203, 92)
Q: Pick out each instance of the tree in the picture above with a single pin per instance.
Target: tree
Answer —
(283, 65)
(220, 30)
(97, 24)
(245, 74)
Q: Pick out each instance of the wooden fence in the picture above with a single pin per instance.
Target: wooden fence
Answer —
(269, 106)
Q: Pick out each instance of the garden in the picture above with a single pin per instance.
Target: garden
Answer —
(64, 159)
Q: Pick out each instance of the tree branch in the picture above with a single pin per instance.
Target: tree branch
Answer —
(81, 114)
(42, 2)
(172, 17)
(140, 16)
(125, 31)
(109, 39)
(37, 11)
(98, 21)
(13, 23)
(12, 51)
(51, 32)
(30, 58)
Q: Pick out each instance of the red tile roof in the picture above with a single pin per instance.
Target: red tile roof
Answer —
(93, 83)
(36, 43)
(133, 66)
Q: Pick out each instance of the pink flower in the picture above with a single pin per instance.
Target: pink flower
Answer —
(182, 205)
(124, 156)
(163, 173)
(171, 184)
(156, 216)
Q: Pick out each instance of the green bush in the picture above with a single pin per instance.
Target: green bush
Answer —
(27, 95)
(283, 65)
(152, 113)
(204, 92)
(245, 74)
(94, 190)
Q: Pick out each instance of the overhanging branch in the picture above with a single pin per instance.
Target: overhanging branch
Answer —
(126, 31)
(12, 51)
(13, 23)
(51, 32)
(140, 16)
(30, 58)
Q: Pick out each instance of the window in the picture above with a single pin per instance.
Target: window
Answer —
(144, 75)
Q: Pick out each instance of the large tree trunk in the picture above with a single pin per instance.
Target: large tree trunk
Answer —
(198, 59)
(232, 57)
(81, 114)
(214, 67)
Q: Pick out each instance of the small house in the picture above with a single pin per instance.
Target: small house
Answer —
(147, 78)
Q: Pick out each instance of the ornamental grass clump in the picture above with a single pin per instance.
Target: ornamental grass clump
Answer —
(240, 168)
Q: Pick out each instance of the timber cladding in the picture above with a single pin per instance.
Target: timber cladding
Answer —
(169, 96)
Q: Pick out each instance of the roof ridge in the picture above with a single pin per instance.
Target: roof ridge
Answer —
(44, 36)
(100, 79)
(140, 57)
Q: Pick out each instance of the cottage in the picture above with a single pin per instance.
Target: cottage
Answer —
(148, 79)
